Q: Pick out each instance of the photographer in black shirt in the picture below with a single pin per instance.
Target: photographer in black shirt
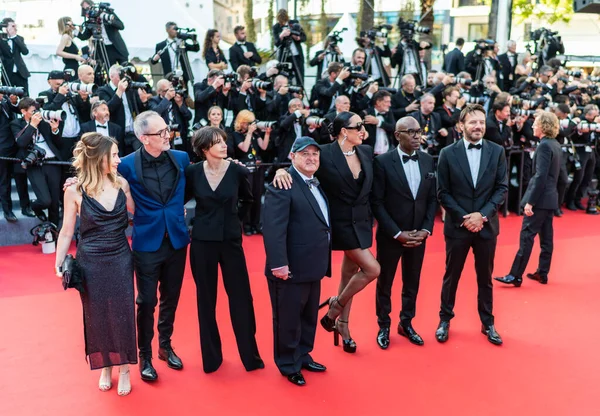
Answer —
(99, 17)
(288, 36)
(172, 52)
(213, 90)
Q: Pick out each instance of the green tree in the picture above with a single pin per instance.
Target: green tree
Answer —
(366, 16)
(249, 19)
(323, 28)
(270, 19)
(545, 11)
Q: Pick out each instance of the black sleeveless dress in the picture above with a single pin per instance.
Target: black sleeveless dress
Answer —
(71, 63)
(108, 301)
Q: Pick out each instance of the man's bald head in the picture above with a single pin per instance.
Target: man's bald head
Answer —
(407, 123)
(85, 73)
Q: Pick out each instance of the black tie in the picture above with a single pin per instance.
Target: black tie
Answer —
(312, 182)
(98, 126)
(474, 146)
(406, 159)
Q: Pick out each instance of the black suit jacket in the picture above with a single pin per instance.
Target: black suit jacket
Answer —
(115, 104)
(277, 29)
(460, 197)
(435, 124)
(286, 135)
(296, 233)
(326, 91)
(542, 191)
(182, 115)
(112, 31)
(400, 101)
(24, 134)
(8, 146)
(114, 131)
(165, 58)
(493, 133)
(389, 125)
(449, 119)
(319, 63)
(392, 202)
(10, 59)
(454, 62)
(237, 58)
(205, 96)
(508, 71)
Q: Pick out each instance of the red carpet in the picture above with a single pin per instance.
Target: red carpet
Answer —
(548, 364)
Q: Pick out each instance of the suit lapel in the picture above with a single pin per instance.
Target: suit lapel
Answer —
(308, 194)
(137, 161)
(397, 162)
(178, 168)
(486, 155)
(365, 162)
(340, 163)
(423, 170)
(463, 161)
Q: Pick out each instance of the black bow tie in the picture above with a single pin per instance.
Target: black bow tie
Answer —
(99, 126)
(312, 182)
(381, 114)
(242, 43)
(474, 146)
(406, 158)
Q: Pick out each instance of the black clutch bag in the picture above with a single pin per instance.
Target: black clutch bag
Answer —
(72, 274)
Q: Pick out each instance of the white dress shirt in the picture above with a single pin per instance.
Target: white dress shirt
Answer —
(41, 142)
(318, 196)
(11, 44)
(105, 38)
(474, 158)
(172, 49)
(128, 115)
(71, 127)
(382, 145)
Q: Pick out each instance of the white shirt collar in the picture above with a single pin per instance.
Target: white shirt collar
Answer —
(304, 177)
(402, 153)
(467, 143)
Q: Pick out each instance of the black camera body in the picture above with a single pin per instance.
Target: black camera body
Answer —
(34, 156)
(295, 29)
(232, 78)
(94, 17)
(128, 72)
(356, 71)
(335, 38)
(284, 68)
(184, 34)
(3, 34)
(408, 28)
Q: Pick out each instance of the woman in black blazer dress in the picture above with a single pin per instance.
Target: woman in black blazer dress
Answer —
(218, 186)
(212, 53)
(346, 176)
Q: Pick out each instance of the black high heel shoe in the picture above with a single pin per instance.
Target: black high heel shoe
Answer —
(326, 322)
(348, 345)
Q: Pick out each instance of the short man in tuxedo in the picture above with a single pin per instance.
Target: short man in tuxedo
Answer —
(124, 104)
(11, 53)
(243, 52)
(540, 201)
(508, 62)
(379, 123)
(297, 238)
(172, 108)
(111, 26)
(405, 101)
(328, 89)
(404, 203)
(498, 124)
(172, 52)
(100, 123)
(472, 184)
(454, 61)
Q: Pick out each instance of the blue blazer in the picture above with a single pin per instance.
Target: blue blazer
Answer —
(152, 218)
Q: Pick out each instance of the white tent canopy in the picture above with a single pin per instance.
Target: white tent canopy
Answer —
(349, 37)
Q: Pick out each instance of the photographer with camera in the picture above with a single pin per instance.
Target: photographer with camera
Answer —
(435, 137)
(8, 148)
(328, 89)
(379, 123)
(249, 93)
(126, 99)
(212, 53)
(212, 91)
(288, 36)
(374, 44)
(331, 53)
(12, 47)
(279, 98)
(102, 23)
(38, 139)
(406, 100)
(291, 126)
(408, 54)
(172, 52)
(170, 105)
(480, 61)
(498, 123)
(449, 113)
(587, 137)
(243, 52)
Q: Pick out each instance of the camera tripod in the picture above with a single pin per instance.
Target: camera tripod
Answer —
(100, 56)
(409, 50)
(284, 53)
(4, 79)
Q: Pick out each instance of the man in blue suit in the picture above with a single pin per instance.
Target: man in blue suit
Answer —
(160, 237)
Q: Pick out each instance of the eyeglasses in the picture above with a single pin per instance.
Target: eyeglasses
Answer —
(162, 133)
(359, 126)
(411, 132)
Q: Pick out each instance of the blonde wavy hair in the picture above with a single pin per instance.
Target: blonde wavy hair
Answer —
(244, 116)
(548, 122)
(92, 153)
(63, 29)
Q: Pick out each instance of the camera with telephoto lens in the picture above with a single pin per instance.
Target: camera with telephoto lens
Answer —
(48, 115)
(18, 91)
(380, 31)
(594, 79)
(564, 124)
(95, 16)
(356, 71)
(315, 121)
(408, 28)
(284, 68)
(128, 72)
(573, 73)
(3, 34)
(293, 89)
(463, 81)
(264, 125)
(585, 127)
(184, 33)
(34, 156)
(469, 99)
(335, 38)
(262, 85)
(78, 86)
(516, 112)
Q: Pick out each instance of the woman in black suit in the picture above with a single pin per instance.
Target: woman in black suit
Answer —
(218, 186)
(346, 176)
(212, 54)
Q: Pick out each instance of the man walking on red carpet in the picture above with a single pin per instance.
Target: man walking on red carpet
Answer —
(297, 238)
(472, 184)
(540, 201)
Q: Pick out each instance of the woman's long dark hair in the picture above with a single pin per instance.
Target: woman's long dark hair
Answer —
(210, 34)
(341, 120)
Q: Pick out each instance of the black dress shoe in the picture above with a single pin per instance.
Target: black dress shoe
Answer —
(314, 367)
(492, 335)
(383, 338)
(558, 212)
(441, 333)
(536, 276)
(571, 206)
(409, 332)
(28, 212)
(10, 216)
(248, 230)
(147, 372)
(297, 379)
(40, 215)
(579, 205)
(509, 279)
(168, 355)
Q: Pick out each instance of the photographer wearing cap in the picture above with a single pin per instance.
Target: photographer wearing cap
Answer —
(12, 47)
(172, 52)
(212, 91)
(110, 25)
(170, 104)
(39, 142)
(243, 52)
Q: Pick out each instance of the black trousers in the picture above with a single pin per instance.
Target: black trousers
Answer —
(539, 223)
(114, 56)
(205, 257)
(165, 266)
(257, 181)
(457, 250)
(7, 171)
(45, 181)
(389, 253)
(563, 178)
(581, 177)
(295, 313)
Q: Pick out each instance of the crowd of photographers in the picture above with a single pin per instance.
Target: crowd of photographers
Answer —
(265, 111)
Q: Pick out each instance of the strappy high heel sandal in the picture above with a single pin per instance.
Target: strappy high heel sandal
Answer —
(105, 383)
(348, 345)
(326, 322)
(121, 390)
